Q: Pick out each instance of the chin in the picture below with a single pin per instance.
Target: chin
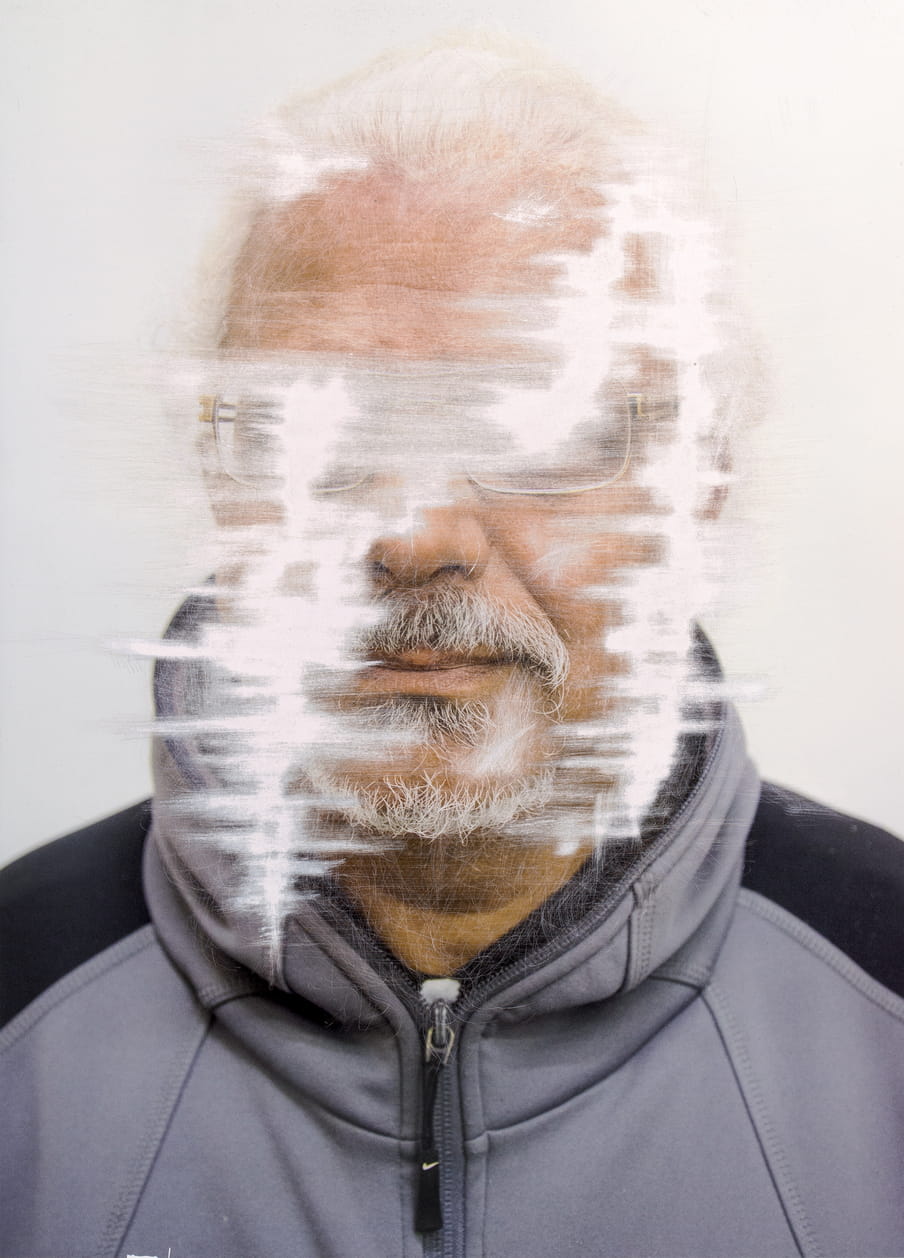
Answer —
(440, 807)
(437, 770)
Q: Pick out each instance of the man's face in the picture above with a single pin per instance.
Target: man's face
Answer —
(495, 508)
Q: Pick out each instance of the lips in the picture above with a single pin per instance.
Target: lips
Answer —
(426, 660)
(428, 672)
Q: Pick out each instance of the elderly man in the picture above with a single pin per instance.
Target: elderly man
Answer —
(438, 936)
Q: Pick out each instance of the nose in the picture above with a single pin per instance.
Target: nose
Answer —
(445, 543)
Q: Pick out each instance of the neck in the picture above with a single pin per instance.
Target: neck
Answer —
(437, 904)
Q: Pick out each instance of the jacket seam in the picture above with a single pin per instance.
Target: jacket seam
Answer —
(771, 1147)
(827, 952)
(642, 936)
(484, 1194)
(213, 995)
(695, 976)
(403, 1230)
(124, 1210)
(85, 974)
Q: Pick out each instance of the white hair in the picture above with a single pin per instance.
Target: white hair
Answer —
(434, 112)
(441, 112)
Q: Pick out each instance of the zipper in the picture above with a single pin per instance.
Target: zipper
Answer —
(439, 1035)
(438, 1042)
(439, 1038)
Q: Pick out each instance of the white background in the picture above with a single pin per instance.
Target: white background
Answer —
(117, 117)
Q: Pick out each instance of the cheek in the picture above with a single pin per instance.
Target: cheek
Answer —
(572, 565)
(573, 569)
(236, 506)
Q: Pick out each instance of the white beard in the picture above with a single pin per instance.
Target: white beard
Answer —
(431, 809)
(498, 770)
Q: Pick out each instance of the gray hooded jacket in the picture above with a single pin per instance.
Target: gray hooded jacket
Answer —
(680, 1067)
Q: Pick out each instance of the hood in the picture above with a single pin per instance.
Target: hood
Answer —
(661, 905)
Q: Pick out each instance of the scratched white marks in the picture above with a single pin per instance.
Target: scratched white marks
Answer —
(570, 481)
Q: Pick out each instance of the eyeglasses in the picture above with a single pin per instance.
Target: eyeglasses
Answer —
(250, 438)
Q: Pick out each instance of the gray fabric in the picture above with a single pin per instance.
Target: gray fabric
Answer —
(687, 1070)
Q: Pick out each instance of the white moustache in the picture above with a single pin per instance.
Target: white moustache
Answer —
(458, 620)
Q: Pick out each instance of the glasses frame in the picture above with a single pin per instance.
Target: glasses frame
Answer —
(216, 410)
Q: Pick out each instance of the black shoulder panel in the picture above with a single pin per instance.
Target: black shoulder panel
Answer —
(67, 901)
(843, 877)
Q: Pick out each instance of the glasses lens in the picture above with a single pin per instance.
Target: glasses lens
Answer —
(248, 439)
(594, 454)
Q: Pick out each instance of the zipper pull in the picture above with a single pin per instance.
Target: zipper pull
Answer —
(428, 1215)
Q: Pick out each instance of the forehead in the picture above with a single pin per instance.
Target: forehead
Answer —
(379, 263)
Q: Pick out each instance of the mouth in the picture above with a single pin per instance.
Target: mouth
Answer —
(425, 659)
(426, 671)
